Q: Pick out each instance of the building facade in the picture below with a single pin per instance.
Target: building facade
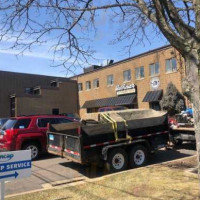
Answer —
(28, 94)
(137, 82)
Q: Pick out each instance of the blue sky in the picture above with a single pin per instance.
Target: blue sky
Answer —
(39, 59)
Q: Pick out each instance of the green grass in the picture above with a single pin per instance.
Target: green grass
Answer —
(153, 182)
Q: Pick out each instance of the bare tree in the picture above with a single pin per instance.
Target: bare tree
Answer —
(72, 21)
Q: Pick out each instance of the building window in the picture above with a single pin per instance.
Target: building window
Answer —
(96, 83)
(88, 85)
(154, 69)
(55, 111)
(36, 91)
(110, 80)
(29, 90)
(127, 75)
(155, 105)
(171, 65)
(54, 84)
(139, 72)
(80, 87)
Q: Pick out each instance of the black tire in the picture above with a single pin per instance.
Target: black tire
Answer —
(35, 150)
(138, 156)
(117, 160)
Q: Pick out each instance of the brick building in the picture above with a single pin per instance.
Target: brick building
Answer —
(136, 82)
(27, 94)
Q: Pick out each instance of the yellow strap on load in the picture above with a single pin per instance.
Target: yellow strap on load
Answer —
(126, 126)
(113, 122)
(114, 126)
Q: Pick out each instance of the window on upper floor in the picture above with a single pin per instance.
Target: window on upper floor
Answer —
(96, 83)
(88, 85)
(171, 65)
(37, 91)
(110, 79)
(154, 69)
(80, 87)
(127, 75)
(139, 72)
(29, 90)
(54, 83)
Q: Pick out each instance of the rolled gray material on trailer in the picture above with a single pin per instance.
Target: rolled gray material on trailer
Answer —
(95, 123)
(134, 118)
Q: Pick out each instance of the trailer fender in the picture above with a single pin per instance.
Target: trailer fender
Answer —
(106, 149)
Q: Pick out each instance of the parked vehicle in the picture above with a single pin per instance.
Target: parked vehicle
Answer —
(28, 132)
(119, 138)
(3, 121)
(112, 108)
(73, 116)
(182, 129)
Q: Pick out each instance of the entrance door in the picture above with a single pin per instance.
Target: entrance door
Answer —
(155, 105)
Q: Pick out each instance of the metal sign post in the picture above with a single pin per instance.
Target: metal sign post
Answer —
(2, 190)
(14, 165)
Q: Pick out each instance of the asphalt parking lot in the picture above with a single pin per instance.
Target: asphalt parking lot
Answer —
(51, 169)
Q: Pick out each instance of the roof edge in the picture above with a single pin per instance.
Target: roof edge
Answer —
(126, 59)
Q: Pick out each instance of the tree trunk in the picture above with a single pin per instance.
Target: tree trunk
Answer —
(193, 82)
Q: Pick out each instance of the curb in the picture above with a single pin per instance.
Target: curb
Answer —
(82, 180)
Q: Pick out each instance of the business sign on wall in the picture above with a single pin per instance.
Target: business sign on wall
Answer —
(125, 89)
(155, 83)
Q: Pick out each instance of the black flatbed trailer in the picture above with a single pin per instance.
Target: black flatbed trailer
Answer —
(117, 138)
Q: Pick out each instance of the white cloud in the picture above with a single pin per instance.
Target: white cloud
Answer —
(38, 54)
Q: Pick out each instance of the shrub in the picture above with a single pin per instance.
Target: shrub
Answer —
(173, 101)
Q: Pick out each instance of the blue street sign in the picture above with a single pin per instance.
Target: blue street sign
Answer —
(14, 165)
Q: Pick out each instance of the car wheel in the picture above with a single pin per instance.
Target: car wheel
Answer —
(117, 160)
(34, 150)
(138, 156)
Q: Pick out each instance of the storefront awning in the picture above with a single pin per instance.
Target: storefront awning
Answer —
(152, 96)
(113, 101)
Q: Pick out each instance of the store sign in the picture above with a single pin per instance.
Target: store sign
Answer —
(125, 89)
(155, 83)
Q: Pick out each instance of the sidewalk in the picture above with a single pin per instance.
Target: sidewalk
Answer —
(158, 182)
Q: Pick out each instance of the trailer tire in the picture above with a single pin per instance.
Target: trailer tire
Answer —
(138, 156)
(117, 160)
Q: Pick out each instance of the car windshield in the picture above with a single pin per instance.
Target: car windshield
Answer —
(9, 124)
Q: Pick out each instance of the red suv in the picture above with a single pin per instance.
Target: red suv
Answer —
(28, 132)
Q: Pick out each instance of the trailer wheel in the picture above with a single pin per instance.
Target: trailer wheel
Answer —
(117, 160)
(138, 156)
